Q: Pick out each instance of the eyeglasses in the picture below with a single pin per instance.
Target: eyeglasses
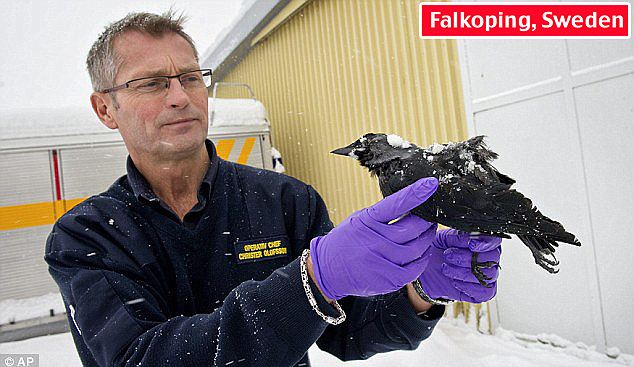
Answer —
(189, 80)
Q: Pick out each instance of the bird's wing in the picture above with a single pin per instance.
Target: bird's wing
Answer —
(457, 203)
(470, 205)
(404, 172)
(498, 208)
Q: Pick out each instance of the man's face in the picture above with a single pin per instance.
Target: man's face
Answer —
(165, 125)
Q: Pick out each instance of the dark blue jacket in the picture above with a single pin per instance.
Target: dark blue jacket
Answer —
(143, 289)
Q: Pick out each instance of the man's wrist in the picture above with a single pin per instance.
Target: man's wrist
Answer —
(417, 303)
(311, 273)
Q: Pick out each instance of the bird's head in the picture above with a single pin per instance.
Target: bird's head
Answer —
(373, 150)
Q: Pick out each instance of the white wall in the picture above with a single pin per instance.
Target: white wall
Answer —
(560, 113)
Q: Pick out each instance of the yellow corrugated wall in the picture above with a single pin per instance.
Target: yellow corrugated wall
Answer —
(341, 68)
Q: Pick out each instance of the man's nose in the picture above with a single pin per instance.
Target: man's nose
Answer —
(177, 96)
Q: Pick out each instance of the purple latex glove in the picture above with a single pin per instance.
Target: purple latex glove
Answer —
(364, 255)
(449, 275)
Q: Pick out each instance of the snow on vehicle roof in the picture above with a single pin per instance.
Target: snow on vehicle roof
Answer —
(236, 112)
(49, 121)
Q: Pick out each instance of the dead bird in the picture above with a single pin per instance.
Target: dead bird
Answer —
(472, 195)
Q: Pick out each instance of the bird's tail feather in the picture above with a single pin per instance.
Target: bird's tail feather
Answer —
(555, 231)
(565, 237)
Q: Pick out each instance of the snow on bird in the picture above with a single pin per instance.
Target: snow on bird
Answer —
(398, 142)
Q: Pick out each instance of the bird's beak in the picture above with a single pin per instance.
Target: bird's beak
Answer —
(343, 151)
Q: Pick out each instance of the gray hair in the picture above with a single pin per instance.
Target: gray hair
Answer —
(103, 62)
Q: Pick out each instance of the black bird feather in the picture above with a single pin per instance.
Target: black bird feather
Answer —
(472, 195)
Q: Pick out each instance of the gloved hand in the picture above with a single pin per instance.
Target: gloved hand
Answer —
(364, 255)
(449, 273)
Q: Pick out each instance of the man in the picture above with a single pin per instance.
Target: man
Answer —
(192, 260)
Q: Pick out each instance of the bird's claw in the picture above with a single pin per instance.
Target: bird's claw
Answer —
(488, 264)
(476, 269)
(547, 260)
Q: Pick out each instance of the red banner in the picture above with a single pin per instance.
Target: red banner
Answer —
(525, 20)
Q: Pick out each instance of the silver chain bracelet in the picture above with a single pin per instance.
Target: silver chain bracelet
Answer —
(419, 290)
(311, 299)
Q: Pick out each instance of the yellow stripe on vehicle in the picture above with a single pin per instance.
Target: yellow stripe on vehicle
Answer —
(223, 147)
(70, 203)
(26, 215)
(59, 208)
(246, 150)
(34, 214)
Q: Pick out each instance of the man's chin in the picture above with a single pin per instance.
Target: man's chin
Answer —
(182, 144)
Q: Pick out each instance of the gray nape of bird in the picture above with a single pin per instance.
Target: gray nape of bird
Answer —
(472, 195)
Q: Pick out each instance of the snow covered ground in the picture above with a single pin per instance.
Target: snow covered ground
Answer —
(13, 310)
(453, 344)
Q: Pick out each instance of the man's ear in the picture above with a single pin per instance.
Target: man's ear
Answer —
(103, 109)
